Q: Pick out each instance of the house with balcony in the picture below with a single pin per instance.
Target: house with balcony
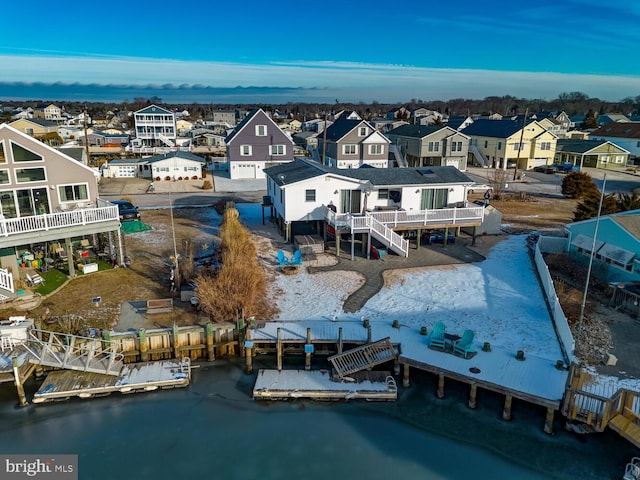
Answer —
(352, 143)
(591, 153)
(48, 111)
(255, 144)
(48, 204)
(155, 127)
(507, 143)
(431, 145)
(381, 204)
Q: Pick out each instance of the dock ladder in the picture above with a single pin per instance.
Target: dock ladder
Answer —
(364, 357)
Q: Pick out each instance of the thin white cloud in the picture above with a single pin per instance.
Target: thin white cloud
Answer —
(355, 81)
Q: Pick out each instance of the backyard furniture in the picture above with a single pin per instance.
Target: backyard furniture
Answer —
(464, 346)
(437, 339)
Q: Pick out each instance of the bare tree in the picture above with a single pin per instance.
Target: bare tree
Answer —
(497, 180)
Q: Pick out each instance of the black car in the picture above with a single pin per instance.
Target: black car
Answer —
(127, 210)
(545, 169)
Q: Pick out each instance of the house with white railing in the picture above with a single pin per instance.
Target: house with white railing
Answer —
(49, 206)
(155, 127)
(384, 204)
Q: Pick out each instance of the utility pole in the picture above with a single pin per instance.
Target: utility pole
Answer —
(524, 122)
(593, 251)
(324, 139)
(86, 139)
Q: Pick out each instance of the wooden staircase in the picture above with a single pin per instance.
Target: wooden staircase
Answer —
(364, 357)
(619, 411)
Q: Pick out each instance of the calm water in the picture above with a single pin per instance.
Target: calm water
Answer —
(213, 428)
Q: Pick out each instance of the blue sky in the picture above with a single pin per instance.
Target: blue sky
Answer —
(388, 51)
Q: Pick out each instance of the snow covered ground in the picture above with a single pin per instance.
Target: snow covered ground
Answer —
(499, 298)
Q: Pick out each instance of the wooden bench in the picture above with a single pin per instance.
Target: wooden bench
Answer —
(162, 305)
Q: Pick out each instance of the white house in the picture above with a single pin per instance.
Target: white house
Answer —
(176, 165)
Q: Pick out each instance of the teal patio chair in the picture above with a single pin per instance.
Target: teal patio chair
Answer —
(437, 339)
(464, 346)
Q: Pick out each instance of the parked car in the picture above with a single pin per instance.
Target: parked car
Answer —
(438, 237)
(545, 169)
(567, 167)
(478, 188)
(127, 210)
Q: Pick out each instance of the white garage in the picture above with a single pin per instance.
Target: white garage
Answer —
(243, 170)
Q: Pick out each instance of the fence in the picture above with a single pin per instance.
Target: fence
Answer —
(560, 322)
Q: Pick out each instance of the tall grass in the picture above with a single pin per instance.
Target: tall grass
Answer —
(239, 289)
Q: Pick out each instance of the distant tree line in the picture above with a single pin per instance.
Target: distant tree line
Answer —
(570, 102)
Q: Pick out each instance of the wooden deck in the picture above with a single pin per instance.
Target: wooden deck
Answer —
(135, 378)
(320, 385)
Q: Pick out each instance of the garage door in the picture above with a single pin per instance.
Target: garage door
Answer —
(538, 162)
(245, 170)
(126, 171)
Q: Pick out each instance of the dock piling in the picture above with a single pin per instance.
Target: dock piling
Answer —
(472, 395)
(18, 382)
(440, 392)
(405, 376)
(307, 354)
(279, 350)
(548, 423)
(211, 354)
(506, 411)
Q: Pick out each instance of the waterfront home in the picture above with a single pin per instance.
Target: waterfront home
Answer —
(44, 130)
(307, 197)
(255, 144)
(48, 198)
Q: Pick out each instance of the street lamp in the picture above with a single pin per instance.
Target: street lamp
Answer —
(175, 248)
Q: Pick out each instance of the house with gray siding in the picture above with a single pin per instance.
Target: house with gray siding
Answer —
(255, 144)
(431, 145)
(352, 143)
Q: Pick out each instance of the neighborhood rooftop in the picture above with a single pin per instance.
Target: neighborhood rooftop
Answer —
(303, 169)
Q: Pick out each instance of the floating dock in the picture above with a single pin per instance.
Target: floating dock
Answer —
(319, 385)
(135, 378)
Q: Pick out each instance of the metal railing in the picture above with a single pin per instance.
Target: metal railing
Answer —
(49, 221)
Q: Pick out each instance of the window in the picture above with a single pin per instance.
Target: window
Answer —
(604, 159)
(619, 159)
(486, 144)
(383, 194)
(4, 177)
(517, 146)
(433, 198)
(376, 149)
(277, 150)
(362, 131)
(21, 154)
(24, 175)
(350, 149)
(499, 145)
(433, 146)
(73, 193)
(245, 150)
(456, 146)
(261, 130)
(545, 146)
(3, 159)
(310, 195)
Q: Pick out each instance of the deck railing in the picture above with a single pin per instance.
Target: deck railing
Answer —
(104, 212)
(452, 216)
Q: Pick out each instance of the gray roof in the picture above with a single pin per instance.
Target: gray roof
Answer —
(176, 154)
(341, 127)
(154, 109)
(577, 146)
(416, 131)
(619, 130)
(128, 161)
(77, 153)
(304, 169)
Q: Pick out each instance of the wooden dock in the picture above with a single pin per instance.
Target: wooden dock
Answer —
(319, 385)
(135, 378)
